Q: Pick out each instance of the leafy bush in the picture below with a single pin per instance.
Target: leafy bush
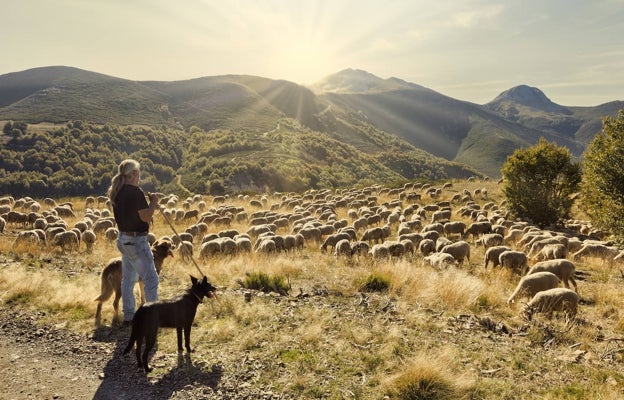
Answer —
(539, 181)
(602, 187)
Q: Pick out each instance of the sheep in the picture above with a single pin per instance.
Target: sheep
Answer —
(477, 228)
(88, 237)
(267, 245)
(517, 261)
(552, 251)
(529, 285)
(67, 240)
(111, 234)
(454, 227)
(563, 268)
(373, 234)
(493, 253)
(489, 240)
(379, 250)
(209, 249)
(538, 245)
(186, 250)
(606, 253)
(459, 250)
(332, 239)
(243, 245)
(440, 260)
(343, 248)
(2, 224)
(548, 301)
(360, 248)
(426, 247)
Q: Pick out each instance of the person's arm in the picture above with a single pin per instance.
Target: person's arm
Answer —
(146, 214)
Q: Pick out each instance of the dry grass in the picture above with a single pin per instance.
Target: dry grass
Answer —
(426, 336)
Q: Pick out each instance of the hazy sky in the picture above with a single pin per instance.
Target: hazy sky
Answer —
(472, 50)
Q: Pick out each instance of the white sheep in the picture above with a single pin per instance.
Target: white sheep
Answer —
(548, 301)
(440, 260)
(454, 227)
(606, 253)
(67, 240)
(552, 251)
(517, 261)
(529, 285)
(88, 237)
(459, 250)
(563, 268)
(186, 250)
(492, 254)
(490, 240)
(426, 247)
(342, 248)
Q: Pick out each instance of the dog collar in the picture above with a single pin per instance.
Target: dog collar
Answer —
(196, 296)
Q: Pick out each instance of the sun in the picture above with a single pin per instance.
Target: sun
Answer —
(301, 60)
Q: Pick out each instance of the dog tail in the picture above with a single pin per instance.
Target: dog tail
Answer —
(130, 342)
(107, 287)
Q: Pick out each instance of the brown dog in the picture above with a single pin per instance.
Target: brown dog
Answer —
(111, 278)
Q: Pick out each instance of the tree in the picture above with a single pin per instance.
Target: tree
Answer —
(602, 187)
(539, 182)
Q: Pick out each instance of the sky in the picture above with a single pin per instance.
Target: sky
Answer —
(472, 50)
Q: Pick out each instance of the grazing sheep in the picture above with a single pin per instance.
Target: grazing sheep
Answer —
(537, 246)
(266, 246)
(243, 245)
(373, 234)
(493, 253)
(88, 237)
(529, 285)
(26, 238)
(490, 240)
(548, 301)
(517, 261)
(67, 240)
(552, 251)
(332, 239)
(379, 250)
(459, 250)
(440, 260)
(360, 248)
(477, 228)
(111, 234)
(343, 248)
(426, 247)
(209, 248)
(563, 268)
(454, 227)
(441, 242)
(186, 250)
(606, 253)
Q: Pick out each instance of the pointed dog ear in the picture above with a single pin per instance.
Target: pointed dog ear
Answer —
(193, 279)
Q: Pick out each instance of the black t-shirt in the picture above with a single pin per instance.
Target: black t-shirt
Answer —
(129, 200)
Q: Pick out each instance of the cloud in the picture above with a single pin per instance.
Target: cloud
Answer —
(473, 18)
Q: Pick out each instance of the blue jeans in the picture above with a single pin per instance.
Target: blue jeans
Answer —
(137, 261)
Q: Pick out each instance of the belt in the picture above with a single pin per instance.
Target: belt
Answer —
(134, 233)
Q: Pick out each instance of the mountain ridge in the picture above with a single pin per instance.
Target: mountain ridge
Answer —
(352, 106)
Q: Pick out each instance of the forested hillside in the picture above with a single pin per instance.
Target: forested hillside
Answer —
(80, 158)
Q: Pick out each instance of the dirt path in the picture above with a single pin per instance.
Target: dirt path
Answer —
(48, 362)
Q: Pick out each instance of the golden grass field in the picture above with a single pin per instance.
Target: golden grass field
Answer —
(439, 334)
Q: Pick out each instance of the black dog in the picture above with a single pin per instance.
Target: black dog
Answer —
(176, 313)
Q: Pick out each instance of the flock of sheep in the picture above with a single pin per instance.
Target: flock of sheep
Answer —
(413, 222)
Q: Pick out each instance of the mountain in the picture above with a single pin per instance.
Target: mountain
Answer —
(376, 116)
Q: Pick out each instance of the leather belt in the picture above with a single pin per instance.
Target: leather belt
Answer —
(134, 233)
